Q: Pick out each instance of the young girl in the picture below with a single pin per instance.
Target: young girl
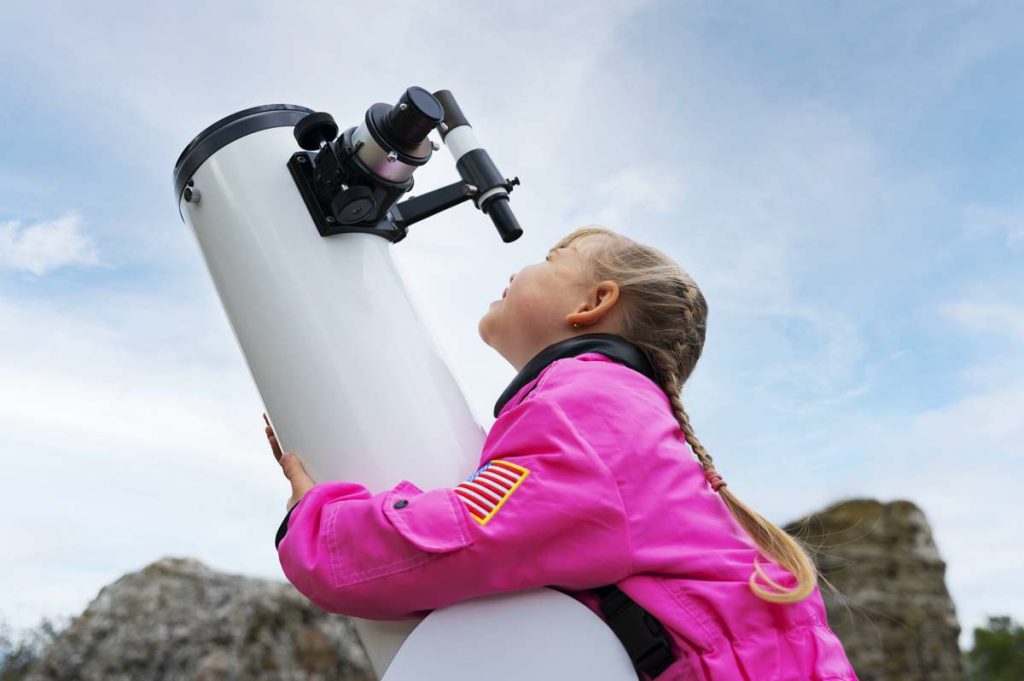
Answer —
(587, 479)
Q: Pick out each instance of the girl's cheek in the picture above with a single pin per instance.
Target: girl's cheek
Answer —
(525, 298)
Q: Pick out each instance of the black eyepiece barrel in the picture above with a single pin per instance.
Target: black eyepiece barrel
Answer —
(503, 218)
(415, 115)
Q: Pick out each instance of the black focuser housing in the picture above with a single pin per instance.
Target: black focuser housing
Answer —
(352, 183)
(408, 123)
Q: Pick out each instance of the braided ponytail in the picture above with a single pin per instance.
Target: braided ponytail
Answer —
(665, 316)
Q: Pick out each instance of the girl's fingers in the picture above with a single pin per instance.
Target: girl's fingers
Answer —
(291, 465)
(297, 476)
(294, 470)
(274, 445)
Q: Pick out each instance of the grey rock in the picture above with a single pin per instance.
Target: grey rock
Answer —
(894, 614)
(177, 619)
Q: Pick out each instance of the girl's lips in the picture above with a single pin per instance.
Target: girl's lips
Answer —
(505, 292)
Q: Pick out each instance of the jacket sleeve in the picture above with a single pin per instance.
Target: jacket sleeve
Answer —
(542, 511)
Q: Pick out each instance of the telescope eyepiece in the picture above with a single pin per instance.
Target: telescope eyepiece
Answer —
(412, 118)
(503, 218)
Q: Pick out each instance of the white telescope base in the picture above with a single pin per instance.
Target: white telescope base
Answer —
(539, 635)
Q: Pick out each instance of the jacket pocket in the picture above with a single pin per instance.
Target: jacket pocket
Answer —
(405, 529)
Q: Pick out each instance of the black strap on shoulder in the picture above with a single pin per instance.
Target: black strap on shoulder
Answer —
(283, 528)
(640, 632)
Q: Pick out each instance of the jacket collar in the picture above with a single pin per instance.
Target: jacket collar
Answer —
(611, 345)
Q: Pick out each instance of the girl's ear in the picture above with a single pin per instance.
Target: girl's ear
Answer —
(607, 294)
(600, 301)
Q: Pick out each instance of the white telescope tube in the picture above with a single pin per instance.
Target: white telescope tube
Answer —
(352, 379)
(355, 384)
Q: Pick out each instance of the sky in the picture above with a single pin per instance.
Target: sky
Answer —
(842, 180)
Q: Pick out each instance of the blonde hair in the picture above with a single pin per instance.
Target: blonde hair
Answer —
(665, 314)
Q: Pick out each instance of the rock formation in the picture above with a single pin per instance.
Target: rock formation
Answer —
(894, 615)
(178, 619)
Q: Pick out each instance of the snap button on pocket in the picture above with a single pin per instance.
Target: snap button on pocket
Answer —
(434, 521)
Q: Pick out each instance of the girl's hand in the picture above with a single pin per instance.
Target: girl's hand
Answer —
(292, 467)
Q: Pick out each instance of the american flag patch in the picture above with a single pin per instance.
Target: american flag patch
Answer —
(488, 489)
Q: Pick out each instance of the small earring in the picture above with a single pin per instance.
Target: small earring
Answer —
(575, 325)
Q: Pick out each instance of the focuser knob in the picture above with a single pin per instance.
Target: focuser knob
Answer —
(315, 130)
(353, 205)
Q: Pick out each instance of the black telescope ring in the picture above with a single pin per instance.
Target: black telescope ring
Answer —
(227, 130)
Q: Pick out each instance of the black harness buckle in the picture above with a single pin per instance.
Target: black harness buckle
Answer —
(641, 634)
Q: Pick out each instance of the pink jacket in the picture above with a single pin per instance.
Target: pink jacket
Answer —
(585, 480)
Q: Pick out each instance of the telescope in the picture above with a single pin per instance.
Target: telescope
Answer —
(295, 223)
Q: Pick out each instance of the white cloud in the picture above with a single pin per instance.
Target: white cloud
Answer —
(820, 362)
(980, 220)
(961, 465)
(125, 431)
(134, 416)
(44, 246)
(137, 413)
(1002, 318)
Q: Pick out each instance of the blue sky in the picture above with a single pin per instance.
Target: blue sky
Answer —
(842, 180)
